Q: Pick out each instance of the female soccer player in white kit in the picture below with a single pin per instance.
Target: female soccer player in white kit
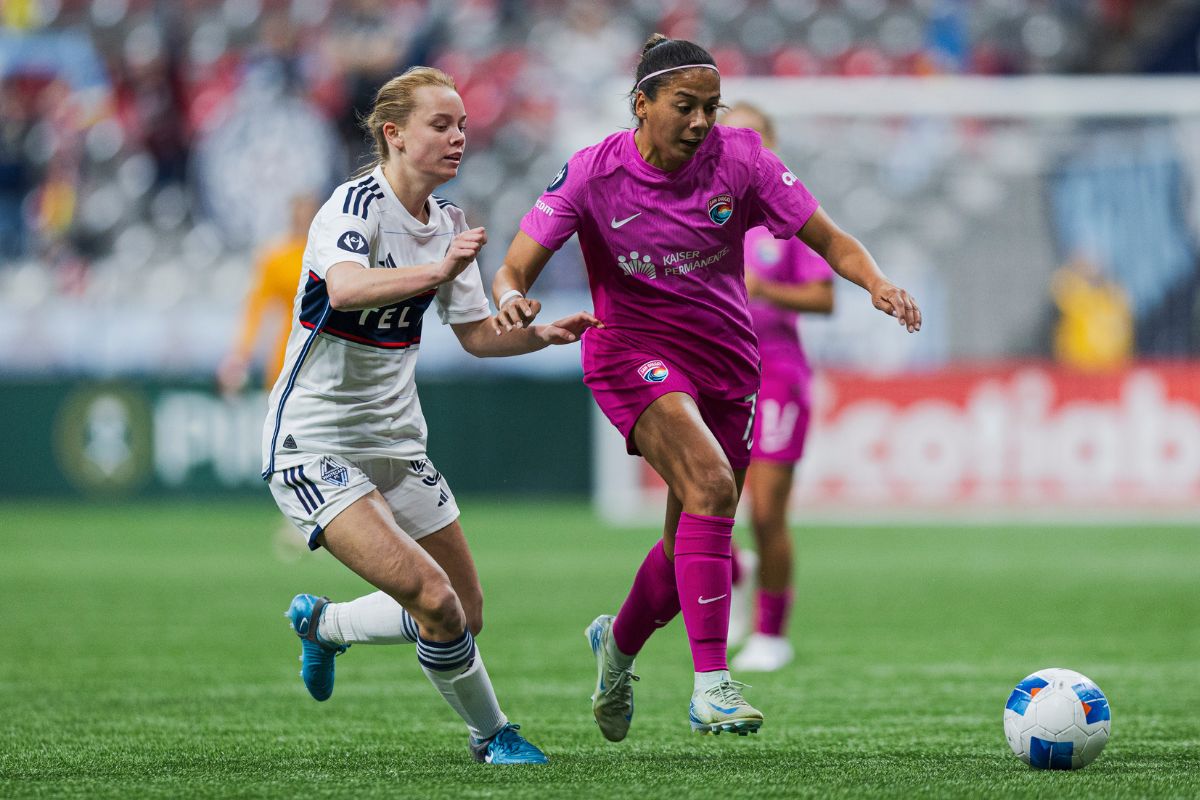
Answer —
(344, 440)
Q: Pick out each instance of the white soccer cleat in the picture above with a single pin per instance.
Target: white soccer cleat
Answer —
(741, 598)
(612, 702)
(764, 653)
(722, 708)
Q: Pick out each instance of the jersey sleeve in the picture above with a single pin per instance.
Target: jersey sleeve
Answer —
(555, 216)
(337, 237)
(462, 299)
(778, 201)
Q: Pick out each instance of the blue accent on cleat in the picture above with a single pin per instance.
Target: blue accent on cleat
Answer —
(507, 747)
(316, 654)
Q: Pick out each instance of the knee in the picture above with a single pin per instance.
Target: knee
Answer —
(768, 523)
(441, 607)
(712, 492)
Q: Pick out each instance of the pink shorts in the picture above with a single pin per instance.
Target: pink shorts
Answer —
(625, 379)
(783, 411)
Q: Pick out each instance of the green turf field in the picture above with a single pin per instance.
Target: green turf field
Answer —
(146, 655)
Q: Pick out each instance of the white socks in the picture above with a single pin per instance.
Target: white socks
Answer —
(623, 661)
(707, 680)
(372, 619)
(378, 619)
(469, 692)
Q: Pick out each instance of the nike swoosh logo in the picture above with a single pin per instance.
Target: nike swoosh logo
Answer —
(706, 600)
(616, 224)
(723, 710)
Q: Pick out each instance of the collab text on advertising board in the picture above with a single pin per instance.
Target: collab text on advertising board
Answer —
(1009, 439)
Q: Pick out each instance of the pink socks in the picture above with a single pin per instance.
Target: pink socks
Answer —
(699, 582)
(772, 611)
(652, 602)
(703, 575)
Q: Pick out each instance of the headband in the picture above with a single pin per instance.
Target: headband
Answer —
(672, 69)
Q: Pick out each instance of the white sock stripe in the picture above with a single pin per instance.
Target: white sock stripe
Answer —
(446, 655)
(409, 626)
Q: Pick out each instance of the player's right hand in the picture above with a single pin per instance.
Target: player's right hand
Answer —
(462, 251)
(516, 313)
(895, 302)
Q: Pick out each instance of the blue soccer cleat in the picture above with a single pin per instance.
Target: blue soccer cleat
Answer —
(316, 654)
(507, 747)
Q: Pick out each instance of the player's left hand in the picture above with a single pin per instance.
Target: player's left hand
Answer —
(567, 329)
(894, 301)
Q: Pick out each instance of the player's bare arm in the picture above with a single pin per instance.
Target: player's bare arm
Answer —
(851, 260)
(813, 297)
(522, 265)
(479, 338)
(353, 287)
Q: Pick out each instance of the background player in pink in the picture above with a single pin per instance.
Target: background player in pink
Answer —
(661, 213)
(782, 278)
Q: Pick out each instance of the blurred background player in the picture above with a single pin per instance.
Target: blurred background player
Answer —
(272, 293)
(1094, 330)
(662, 212)
(344, 439)
(782, 278)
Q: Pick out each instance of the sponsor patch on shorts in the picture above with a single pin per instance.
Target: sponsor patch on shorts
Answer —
(653, 371)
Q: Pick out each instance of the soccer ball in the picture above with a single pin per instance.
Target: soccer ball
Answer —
(1057, 719)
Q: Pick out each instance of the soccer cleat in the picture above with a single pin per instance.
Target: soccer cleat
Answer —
(763, 653)
(507, 747)
(721, 707)
(741, 598)
(316, 655)
(612, 702)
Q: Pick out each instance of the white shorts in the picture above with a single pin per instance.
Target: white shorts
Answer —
(312, 492)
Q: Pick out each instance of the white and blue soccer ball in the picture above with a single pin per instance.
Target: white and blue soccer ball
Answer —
(1057, 719)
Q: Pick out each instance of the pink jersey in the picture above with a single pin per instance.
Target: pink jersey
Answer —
(791, 262)
(664, 250)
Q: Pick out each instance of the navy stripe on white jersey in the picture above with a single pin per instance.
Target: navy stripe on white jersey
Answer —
(393, 327)
(359, 196)
(442, 202)
(291, 384)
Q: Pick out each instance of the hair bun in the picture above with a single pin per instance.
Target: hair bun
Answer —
(654, 41)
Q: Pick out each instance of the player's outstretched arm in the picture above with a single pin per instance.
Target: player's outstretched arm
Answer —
(521, 267)
(479, 338)
(353, 287)
(851, 260)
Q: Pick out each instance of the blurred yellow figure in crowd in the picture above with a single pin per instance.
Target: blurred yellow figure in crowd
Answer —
(273, 291)
(1095, 325)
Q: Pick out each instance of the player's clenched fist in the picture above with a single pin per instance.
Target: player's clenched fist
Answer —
(463, 250)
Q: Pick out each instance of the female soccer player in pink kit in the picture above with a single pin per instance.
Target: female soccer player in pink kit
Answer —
(661, 213)
(782, 278)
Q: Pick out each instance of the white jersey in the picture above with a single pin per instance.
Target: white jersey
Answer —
(347, 382)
